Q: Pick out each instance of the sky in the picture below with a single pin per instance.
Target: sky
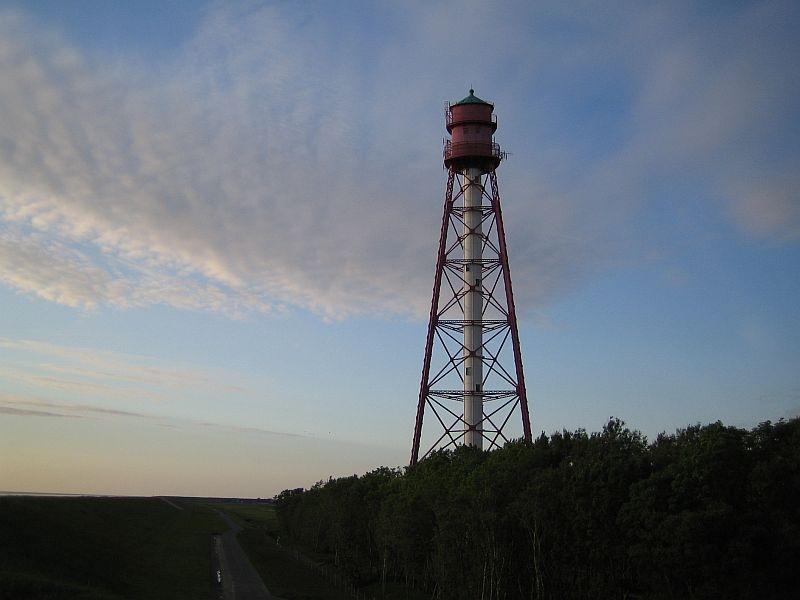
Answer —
(219, 220)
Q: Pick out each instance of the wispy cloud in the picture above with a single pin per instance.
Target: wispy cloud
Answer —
(28, 412)
(719, 104)
(29, 405)
(46, 379)
(43, 379)
(25, 405)
(73, 382)
(258, 168)
(89, 369)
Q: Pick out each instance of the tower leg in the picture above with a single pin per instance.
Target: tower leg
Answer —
(433, 320)
(522, 394)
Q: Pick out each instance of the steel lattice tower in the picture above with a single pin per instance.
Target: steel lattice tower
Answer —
(472, 378)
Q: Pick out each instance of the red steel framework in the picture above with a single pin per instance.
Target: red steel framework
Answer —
(502, 389)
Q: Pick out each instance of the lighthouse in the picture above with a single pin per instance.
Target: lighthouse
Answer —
(472, 378)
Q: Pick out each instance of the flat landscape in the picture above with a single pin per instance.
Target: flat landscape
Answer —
(114, 548)
(105, 548)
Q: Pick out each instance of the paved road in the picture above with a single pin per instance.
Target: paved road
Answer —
(240, 581)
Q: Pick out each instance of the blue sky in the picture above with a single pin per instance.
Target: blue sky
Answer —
(218, 225)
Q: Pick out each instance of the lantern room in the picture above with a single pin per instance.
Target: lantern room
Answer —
(471, 124)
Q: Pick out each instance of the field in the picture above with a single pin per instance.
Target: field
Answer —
(105, 548)
(259, 515)
(83, 548)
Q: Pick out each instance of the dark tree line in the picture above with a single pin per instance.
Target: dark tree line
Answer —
(709, 512)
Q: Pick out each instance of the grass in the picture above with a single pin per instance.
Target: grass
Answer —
(260, 515)
(283, 569)
(119, 548)
(105, 549)
(288, 576)
(284, 575)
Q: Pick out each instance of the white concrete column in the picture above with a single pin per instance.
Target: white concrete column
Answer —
(473, 309)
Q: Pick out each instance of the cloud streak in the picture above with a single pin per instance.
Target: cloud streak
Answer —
(27, 405)
(32, 406)
(112, 373)
(28, 412)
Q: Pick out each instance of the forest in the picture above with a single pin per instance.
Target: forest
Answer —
(711, 511)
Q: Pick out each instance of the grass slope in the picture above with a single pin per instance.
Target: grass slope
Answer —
(104, 549)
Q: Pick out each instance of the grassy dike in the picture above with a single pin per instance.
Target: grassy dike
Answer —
(105, 548)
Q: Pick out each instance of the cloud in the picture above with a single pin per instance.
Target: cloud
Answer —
(52, 271)
(28, 405)
(768, 207)
(26, 412)
(71, 384)
(112, 373)
(47, 379)
(33, 406)
(227, 180)
(717, 105)
(271, 161)
(88, 383)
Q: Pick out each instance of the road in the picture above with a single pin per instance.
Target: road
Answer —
(240, 581)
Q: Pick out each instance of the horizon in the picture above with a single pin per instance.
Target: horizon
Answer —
(309, 485)
(218, 227)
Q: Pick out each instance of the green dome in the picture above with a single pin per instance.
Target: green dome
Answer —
(473, 99)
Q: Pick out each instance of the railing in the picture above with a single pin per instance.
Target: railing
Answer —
(455, 150)
(448, 116)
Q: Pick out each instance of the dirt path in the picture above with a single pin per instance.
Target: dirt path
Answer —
(240, 581)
